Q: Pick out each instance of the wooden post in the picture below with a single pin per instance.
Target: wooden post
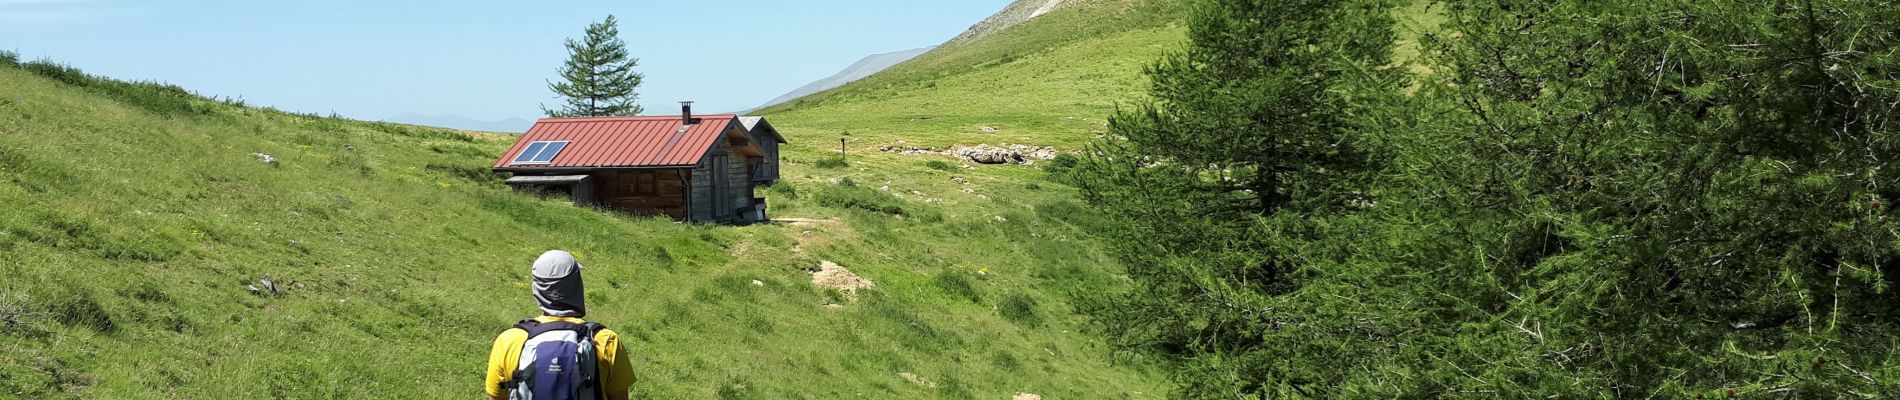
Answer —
(841, 144)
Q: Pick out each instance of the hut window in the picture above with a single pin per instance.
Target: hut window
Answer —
(646, 183)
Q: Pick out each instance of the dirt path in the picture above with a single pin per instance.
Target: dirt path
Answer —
(812, 232)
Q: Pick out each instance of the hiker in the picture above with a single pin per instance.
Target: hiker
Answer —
(558, 355)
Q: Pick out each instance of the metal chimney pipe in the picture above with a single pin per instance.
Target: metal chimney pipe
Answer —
(686, 112)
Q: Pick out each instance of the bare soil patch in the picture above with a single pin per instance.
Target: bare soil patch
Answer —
(833, 276)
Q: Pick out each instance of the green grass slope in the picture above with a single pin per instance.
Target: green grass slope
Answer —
(132, 217)
(1048, 81)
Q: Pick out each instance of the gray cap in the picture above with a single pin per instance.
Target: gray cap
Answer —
(557, 285)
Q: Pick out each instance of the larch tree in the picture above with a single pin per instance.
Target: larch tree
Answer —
(1670, 198)
(598, 77)
(1224, 185)
(1567, 199)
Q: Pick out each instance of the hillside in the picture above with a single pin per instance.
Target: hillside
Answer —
(1047, 81)
(455, 121)
(139, 216)
(867, 66)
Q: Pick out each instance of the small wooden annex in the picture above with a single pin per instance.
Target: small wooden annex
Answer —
(687, 167)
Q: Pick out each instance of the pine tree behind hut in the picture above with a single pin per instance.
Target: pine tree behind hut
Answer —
(598, 78)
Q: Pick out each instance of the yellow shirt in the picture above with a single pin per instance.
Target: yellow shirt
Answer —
(616, 374)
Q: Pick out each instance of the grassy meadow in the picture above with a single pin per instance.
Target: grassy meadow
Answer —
(136, 215)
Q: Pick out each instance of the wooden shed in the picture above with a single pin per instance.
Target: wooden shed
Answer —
(688, 167)
(768, 140)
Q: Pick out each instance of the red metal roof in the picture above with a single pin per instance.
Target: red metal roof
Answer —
(605, 142)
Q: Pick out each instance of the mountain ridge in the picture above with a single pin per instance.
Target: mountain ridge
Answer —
(864, 67)
(458, 121)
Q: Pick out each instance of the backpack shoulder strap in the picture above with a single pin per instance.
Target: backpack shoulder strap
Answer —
(527, 324)
(545, 327)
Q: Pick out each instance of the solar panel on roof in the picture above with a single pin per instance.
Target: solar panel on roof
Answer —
(532, 150)
(548, 153)
(618, 142)
(541, 152)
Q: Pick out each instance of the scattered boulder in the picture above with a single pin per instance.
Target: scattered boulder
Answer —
(1005, 154)
(834, 276)
(982, 153)
(264, 287)
(988, 129)
(920, 381)
(265, 158)
(1026, 396)
(756, 282)
(986, 154)
(908, 150)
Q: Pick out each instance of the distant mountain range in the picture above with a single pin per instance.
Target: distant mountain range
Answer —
(863, 68)
(456, 121)
(1016, 13)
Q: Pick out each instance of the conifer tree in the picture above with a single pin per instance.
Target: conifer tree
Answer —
(598, 79)
(1659, 198)
(1623, 198)
(1224, 183)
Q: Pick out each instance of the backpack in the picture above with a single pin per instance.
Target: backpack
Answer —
(558, 362)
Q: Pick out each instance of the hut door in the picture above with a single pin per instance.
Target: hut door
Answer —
(720, 186)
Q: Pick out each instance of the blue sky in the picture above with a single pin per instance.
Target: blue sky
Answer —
(486, 60)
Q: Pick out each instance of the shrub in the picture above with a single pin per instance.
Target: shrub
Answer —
(9, 58)
(77, 308)
(1058, 168)
(1005, 361)
(737, 388)
(472, 173)
(1020, 308)
(958, 284)
(853, 197)
(160, 98)
(464, 151)
(17, 317)
(940, 166)
(783, 189)
(421, 132)
(832, 163)
(63, 73)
